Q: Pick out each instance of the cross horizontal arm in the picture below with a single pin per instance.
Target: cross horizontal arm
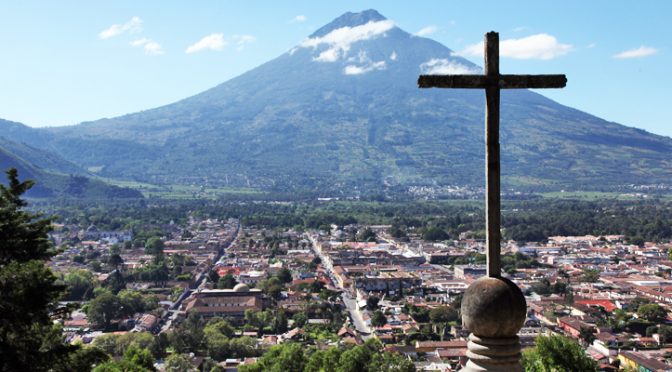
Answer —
(501, 81)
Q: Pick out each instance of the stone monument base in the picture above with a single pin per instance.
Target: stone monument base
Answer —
(493, 354)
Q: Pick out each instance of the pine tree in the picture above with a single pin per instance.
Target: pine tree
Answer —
(29, 341)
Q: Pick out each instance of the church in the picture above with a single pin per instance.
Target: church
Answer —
(225, 303)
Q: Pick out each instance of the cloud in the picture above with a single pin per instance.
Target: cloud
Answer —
(358, 70)
(212, 42)
(299, 18)
(444, 66)
(242, 40)
(338, 41)
(150, 47)
(393, 56)
(520, 29)
(132, 26)
(591, 45)
(539, 46)
(361, 64)
(428, 30)
(642, 51)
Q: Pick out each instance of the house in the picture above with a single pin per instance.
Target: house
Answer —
(641, 363)
(572, 326)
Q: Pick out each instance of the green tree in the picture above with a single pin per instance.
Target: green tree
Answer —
(272, 287)
(434, 233)
(139, 357)
(178, 363)
(80, 284)
(300, 319)
(103, 309)
(285, 275)
(378, 319)
(372, 303)
(280, 358)
(29, 341)
(587, 335)
(279, 323)
(652, 312)
(226, 282)
(366, 235)
(591, 275)
(154, 246)
(557, 353)
(83, 360)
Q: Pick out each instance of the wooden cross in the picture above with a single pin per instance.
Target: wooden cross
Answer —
(492, 82)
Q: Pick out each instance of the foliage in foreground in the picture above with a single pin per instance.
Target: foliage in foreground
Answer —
(29, 340)
(295, 357)
(557, 353)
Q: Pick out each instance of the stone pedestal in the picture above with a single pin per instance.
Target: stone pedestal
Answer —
(494, 310)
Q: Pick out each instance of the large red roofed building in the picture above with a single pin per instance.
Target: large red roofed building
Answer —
(225, 303)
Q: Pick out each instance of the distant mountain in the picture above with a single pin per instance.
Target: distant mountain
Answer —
(54, 176)
(341, 112)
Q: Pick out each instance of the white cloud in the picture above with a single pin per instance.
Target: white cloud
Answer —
(150, 47)
(642, 51)
(299, 18)
(358, 70)
(339, 41)
(393, 56)
(539, 46)
(591, 45)
(428, 30)
(520, 29)
(444, 66)
(361, 64)
(242, 40)
(132, 26)
(212, 42)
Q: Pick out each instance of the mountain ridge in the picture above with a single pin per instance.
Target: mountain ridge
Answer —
(341, 113)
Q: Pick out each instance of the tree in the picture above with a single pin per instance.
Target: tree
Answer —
(272, 287)
(443, 314)
(226, 282)
(372, 303)
(178, 363)
(83, 359)
(279, 323)
(587, 335)
(280, 358)
(366, 235)
(115, 261)
(28, 338)
(154, 246)
(652, 312)
(80, 284)
(300, 319)
(557, 353)
(135, 359)
(434, 234)
(139, 357)
(378, 319)
(103, 309)
(285, 275)
(591, 275)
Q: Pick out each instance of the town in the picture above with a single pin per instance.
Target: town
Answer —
(216, 293)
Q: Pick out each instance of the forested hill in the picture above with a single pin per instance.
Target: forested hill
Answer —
(55, 176)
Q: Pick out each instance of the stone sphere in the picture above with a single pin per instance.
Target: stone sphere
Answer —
(493, 307)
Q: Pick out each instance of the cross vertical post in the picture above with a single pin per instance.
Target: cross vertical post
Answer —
(493, 307)
(492, 169)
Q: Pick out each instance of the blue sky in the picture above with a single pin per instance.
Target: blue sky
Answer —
(66, 62)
